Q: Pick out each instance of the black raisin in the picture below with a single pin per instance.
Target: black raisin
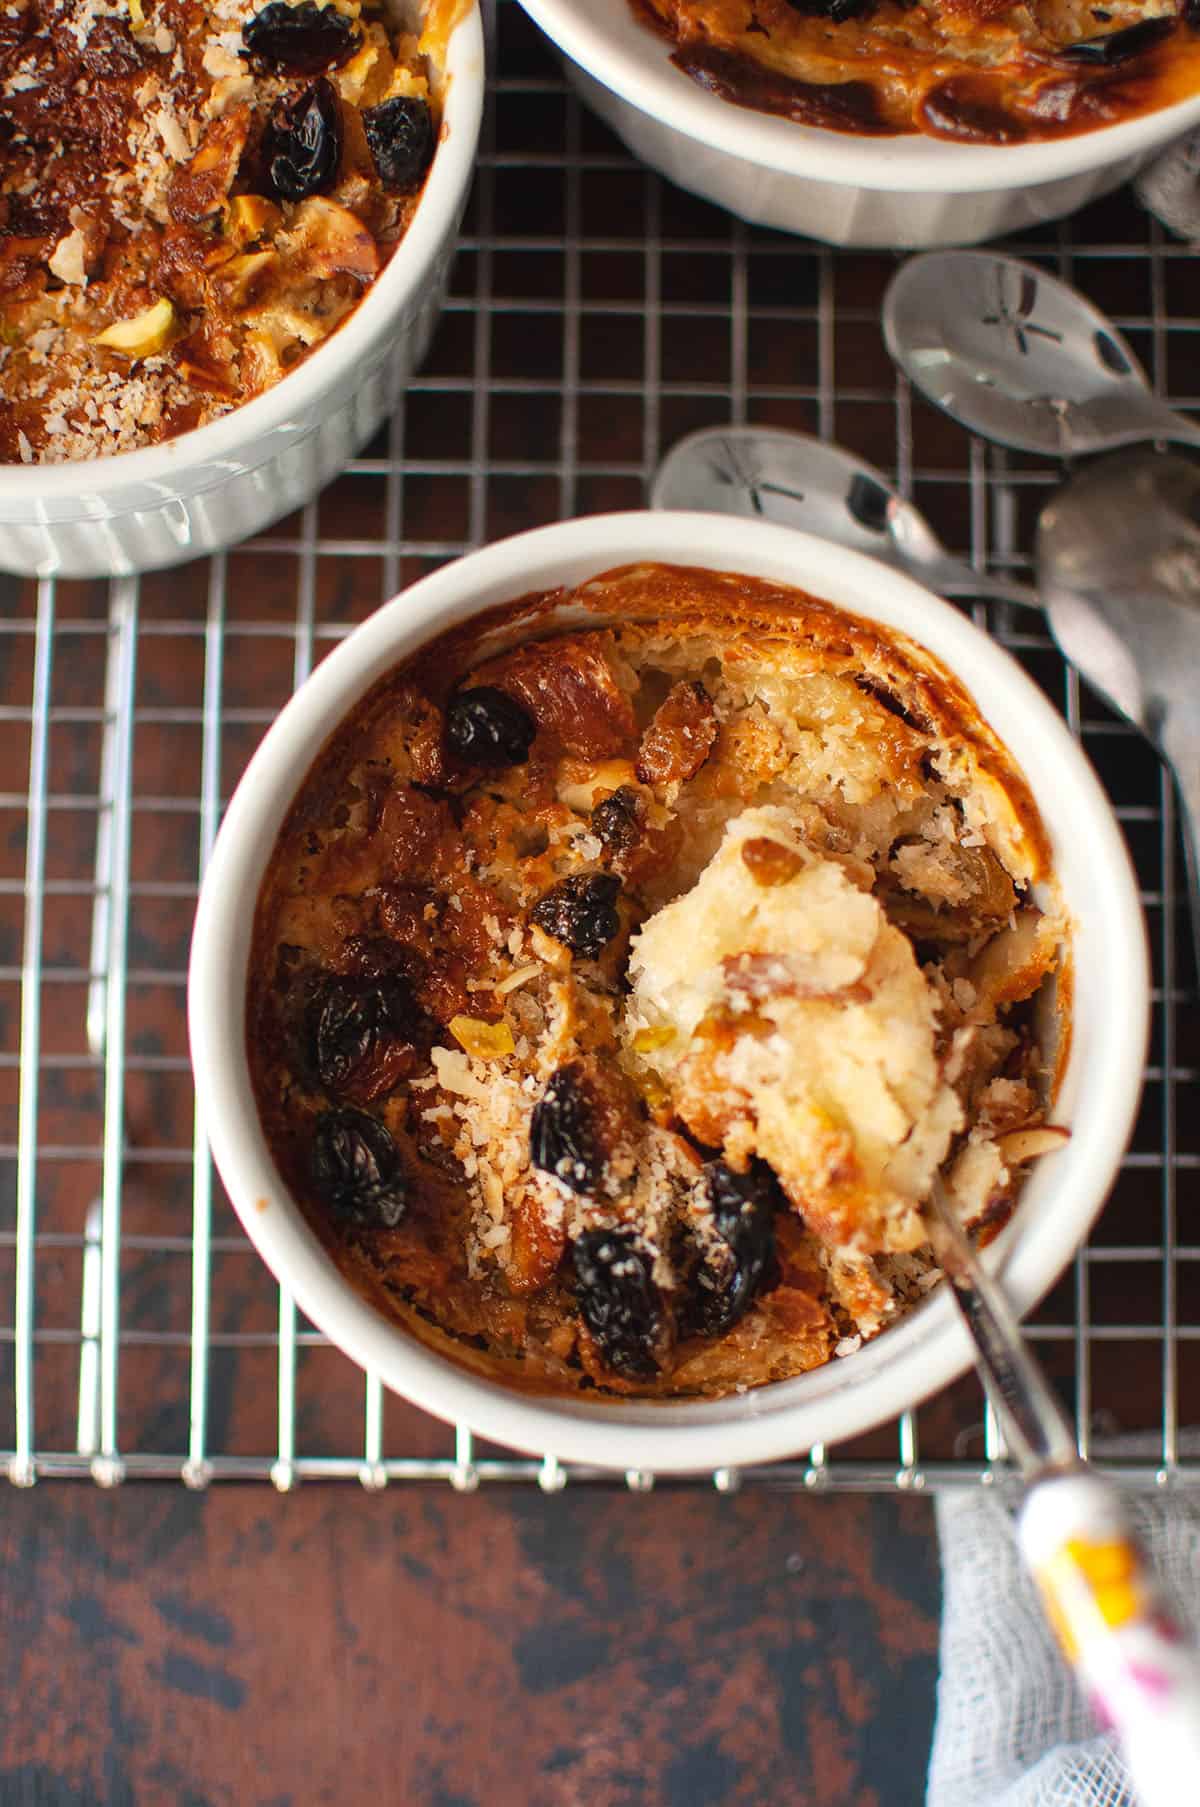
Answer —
(618, 1301)
(401, 141)
(562, 1132)
(618, 821)
(348, 1020)
(302, 143)
(731, 1270)
(304, 39)
(581, 911)
(835, 10)
(379, 957)
(486, 726)
(1119, 46)
(356, 1169)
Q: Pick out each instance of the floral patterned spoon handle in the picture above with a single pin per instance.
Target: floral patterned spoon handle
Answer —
(1139, 1673)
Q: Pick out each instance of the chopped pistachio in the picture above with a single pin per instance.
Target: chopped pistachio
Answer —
(141, 335)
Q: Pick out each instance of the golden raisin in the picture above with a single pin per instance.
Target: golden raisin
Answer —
(770, 862)
(480, 1039)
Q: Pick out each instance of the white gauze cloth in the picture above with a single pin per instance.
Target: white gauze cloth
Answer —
(1012, 1729)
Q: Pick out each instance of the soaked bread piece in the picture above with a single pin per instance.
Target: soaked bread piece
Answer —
(617, 991)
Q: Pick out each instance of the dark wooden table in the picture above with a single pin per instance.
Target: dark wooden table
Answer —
(593, 1649)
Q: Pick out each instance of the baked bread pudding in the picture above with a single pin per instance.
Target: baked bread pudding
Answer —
(618, 988)
(982, 71)
(193, 195)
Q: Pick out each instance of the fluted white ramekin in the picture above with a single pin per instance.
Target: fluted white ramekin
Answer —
(193, 495)
(927, 1349)
(897, 193)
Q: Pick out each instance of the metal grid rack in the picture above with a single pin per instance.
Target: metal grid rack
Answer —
(596, 315)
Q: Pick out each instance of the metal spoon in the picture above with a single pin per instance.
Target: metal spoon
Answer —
(1020, 358)
(803, 482)
(1118, 559)
(1169, 188)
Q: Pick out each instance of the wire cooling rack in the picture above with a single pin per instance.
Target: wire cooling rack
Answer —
(596, 315)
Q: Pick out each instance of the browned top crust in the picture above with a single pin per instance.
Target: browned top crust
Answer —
(615, 991)
(193, 195)
(978, 71)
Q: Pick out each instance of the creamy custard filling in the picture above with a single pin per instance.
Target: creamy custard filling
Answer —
(618, 991)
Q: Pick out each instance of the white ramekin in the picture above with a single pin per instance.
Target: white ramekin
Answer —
(927, 1349)
(894, 192)
(137, 511)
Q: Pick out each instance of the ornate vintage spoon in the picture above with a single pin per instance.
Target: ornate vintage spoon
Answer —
(803, 482)
(1020, 358)
(1118, 558)
(1136, 1669)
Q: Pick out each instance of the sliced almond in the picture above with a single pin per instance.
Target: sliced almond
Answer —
(1026, 1144)
(328, 240)
(292, 326)
(550, 952)
(238, 278)
(143, 334)
(580, 788)
(516, 979)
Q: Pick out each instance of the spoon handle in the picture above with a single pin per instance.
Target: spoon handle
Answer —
(1138, 1672)
(1170, 424)
(957, 578)
(1181, 744)
(1169, 188)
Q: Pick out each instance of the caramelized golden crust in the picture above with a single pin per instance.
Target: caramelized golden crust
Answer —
(193, 195)
(977, 71)
(531, 1118)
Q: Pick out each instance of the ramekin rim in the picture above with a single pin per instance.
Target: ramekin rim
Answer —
(661, 1437)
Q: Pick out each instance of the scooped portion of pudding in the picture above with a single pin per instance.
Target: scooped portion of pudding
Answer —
(790, 1020)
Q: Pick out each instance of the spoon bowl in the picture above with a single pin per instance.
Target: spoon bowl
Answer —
(1118, 559)
(1020, 358)
(768, 473)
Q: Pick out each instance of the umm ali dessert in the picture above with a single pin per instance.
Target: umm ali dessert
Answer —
(193, 195)
(617, 991)
(981, 71)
